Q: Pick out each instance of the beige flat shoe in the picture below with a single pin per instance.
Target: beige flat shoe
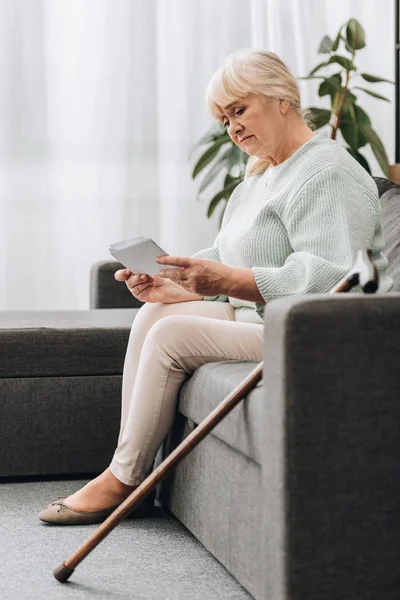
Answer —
(59, 513)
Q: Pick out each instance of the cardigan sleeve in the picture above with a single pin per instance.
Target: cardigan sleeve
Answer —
(330, 219)
(211, 254)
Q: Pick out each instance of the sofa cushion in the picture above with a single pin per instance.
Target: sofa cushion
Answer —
(54, 343)
(105, 291)
(390, 211)
(383, 184)
(242, 428)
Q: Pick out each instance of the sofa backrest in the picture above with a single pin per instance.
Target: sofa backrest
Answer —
(389, 193)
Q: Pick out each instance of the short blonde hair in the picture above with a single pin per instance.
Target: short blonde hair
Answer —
(251, 71)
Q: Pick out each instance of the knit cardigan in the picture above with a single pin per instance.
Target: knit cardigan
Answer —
(299, 225)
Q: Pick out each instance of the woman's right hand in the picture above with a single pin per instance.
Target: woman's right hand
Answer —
(153, 288)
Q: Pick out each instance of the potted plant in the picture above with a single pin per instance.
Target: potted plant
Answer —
(345, 117)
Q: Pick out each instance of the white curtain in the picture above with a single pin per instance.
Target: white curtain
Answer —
(101, 102)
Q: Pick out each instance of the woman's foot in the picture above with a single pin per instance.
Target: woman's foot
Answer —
(95, 502)
(100, 493)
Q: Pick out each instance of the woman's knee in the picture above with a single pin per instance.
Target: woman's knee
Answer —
(147, 315)
(169, 331)
(153, 311)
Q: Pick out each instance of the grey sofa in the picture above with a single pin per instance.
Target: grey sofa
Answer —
(296, 492)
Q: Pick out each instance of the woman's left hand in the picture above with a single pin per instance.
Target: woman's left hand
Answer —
(200, 276)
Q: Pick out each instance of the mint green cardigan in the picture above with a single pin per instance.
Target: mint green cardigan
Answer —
(298, 226)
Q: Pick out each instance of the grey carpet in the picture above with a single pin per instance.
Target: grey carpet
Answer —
(153, 558)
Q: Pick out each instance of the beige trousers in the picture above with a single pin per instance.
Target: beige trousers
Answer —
(167, 343)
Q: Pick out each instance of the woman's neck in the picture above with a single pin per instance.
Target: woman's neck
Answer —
(291, 140)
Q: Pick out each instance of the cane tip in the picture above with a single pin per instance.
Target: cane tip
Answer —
(62, 573)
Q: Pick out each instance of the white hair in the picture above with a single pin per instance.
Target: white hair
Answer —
(251, 71)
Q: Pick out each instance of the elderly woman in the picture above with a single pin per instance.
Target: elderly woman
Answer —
(293, 226)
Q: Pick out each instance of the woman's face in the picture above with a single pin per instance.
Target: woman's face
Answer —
(255, 124)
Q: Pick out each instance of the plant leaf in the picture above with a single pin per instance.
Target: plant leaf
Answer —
(348, 112)
(359, 158)
(222, 215)
(331, 85)
(377, 147)
(336, 100)
(348, 48)
(235, 157)
(355, 35)
(320, 116)
(312, 77)
(353, 134)
(208, 155)
(374, 79)
(352, 117)
(374, 94)
(214, 170)
(325, 46)
(223, 194)
(228, 179)
(350, 98)
(346, 63)
(362, 119)
(361, 116)
(339, 37)
(318, 67)
(349, 131)
(211, 135)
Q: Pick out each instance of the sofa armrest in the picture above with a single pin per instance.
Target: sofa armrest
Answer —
(331, 453)
(105, 291)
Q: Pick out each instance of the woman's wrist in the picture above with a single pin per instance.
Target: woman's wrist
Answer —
(241, 284)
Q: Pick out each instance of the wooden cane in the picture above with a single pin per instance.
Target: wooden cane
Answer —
(363, 273)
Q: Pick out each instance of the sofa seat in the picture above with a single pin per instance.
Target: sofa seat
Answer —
(242, 428)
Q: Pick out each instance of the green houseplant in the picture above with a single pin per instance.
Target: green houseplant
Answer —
(345, 117)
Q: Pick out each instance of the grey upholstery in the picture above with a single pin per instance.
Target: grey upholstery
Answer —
(320, 513)
(296, 491)
(242, 428)
(60, 389)
(331, 474)
(390, 204)
(63, 343)
(105, 291)
(52, 426)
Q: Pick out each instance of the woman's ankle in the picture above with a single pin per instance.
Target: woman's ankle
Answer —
(116, 485)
